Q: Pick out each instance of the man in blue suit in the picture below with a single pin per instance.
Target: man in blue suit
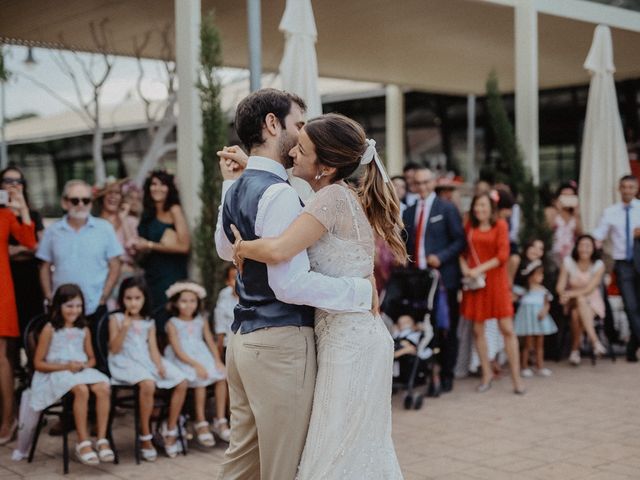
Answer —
(435, 239)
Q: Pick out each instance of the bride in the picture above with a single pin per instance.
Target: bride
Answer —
(349, 434)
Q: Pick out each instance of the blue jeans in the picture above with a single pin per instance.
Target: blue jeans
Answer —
(629, 286)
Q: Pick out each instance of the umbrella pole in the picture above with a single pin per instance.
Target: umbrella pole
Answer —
(255, 43)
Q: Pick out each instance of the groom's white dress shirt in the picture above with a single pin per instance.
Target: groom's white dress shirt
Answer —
(292, 281)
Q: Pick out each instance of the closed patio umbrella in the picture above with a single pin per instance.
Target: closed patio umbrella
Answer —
(604, 153)
(299, 66)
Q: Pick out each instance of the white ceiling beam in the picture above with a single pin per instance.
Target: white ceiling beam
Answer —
(584, 11)
(591, 12)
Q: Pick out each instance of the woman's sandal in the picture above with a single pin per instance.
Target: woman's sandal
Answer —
(205, 438)
(104, 454)
(148, 454)
(13, 430)
(171, 449)
(484, 387)
(223, 434)
(520, 390)
(88, 458)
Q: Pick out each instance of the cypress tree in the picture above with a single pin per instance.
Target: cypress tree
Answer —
(214, 137)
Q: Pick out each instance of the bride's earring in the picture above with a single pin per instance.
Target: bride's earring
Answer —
(319, 176)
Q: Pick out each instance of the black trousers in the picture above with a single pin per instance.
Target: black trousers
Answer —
(92, 323)
(449, 344)
(629, 286)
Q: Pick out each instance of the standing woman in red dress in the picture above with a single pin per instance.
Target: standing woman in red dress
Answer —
(24, 233)
(487, 254)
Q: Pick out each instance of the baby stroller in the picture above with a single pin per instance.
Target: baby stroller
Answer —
(414, 292)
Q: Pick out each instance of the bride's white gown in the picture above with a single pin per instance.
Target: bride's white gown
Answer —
(349, 434)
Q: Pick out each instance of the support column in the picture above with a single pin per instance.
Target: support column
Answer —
(189, 128)
(395, 129)
(255, 43)
(526, 92)
(471, 138)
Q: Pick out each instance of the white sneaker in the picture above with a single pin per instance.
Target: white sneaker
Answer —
(574, 357)
(545, 372)
(527, 373)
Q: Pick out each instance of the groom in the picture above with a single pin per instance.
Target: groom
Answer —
(271, 359)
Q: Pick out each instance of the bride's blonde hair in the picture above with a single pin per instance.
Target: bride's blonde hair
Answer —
(340, 142)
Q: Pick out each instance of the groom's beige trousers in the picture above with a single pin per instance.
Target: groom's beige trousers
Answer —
(271, 375)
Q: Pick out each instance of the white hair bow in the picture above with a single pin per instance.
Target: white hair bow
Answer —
(372, 154)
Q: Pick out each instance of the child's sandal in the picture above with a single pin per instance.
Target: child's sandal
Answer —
(205, 438)
(171, 449)
(148, 454)
(104, 454)
(219, 429)
(88, 458)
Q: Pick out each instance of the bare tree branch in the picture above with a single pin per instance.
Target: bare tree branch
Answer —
(113, 139)
(166, 148)
(86, 69)
(63, 64)
(100, 38)
(81, 112)
(138, 49)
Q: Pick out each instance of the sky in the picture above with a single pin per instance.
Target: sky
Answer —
(24, 96)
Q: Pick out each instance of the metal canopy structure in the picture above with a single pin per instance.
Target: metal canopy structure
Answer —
(440, 46)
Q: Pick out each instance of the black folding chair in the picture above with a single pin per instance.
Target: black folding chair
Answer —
(63, 409)
(128, 396)
(162, 316)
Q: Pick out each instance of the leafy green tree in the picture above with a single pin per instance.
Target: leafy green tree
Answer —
(214, 137)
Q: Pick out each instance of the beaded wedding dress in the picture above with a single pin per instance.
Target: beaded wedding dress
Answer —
(349, 435)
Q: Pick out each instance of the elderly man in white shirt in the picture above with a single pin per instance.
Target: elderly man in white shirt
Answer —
(621, 223)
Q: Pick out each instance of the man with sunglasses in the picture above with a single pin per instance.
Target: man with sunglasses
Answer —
(82, 249)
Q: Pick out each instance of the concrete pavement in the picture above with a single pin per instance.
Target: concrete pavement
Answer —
(580, 423)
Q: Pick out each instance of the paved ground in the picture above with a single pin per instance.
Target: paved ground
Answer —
(582, 423)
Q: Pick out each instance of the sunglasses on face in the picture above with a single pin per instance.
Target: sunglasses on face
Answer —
(12, 181)
(75, 201)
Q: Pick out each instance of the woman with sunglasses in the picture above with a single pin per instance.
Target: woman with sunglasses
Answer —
(24, 265)
(12, 200)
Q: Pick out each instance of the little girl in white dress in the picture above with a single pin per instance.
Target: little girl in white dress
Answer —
(192, 349)
(134, 359)
(63, 361)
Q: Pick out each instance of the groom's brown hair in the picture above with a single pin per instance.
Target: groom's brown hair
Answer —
(253, 109)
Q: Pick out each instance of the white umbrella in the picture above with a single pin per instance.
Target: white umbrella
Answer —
(299, 66)
(604, 152)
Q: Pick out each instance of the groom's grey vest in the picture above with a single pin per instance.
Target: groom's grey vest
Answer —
(258, 307)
